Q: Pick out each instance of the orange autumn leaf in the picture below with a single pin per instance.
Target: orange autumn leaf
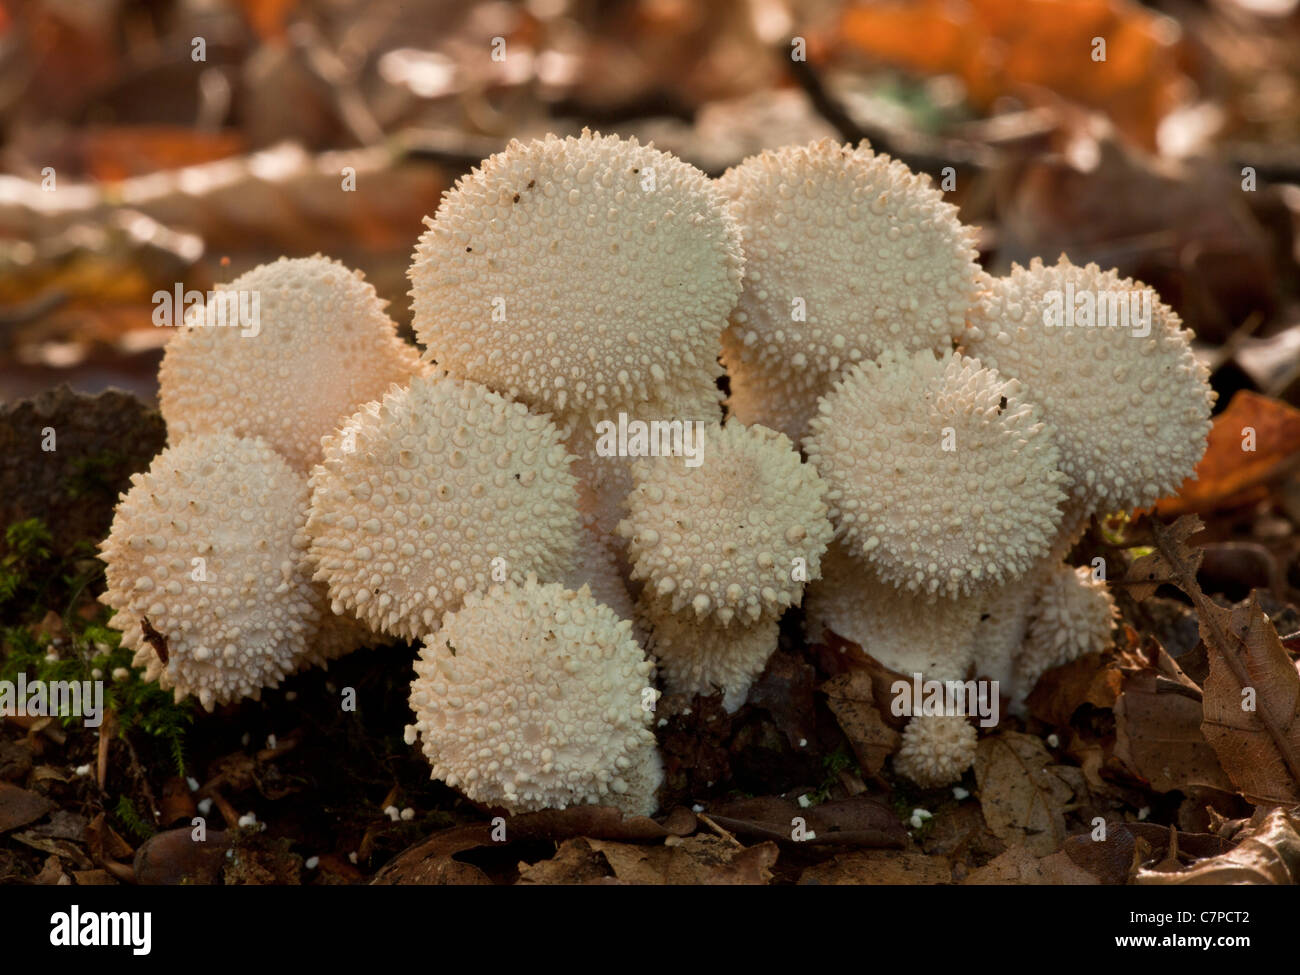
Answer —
(1012, 47)
(122, 151)
(1232, 473)
(268, 18)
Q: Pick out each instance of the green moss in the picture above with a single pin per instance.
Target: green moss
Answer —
(95, 475)
(130, 819)
(26, 561)
(840, 760)
(32, 585)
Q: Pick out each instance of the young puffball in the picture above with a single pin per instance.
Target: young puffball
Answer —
(734, 538)
(442, 488)
(723, 549)
(943, 486)
(847, 253)
(701, 656)
(537, 697)
(906, 632)
(207, 552)
(936, 750)
(322, 345)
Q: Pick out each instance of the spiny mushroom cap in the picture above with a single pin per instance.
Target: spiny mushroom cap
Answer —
(578, 273)
(323, 346)
(735, 538)
(442, 488)
(1073, 615)
(906, 632)
(238, 620)
(1131, 413)
(934, 481)
(936, 750)
(859, 245)
(702, 657)
(535, 697)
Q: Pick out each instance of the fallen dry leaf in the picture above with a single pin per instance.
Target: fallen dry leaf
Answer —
(18, 807)
(856, 821)
(1158, 729)
(851, 698)
(1230, 475)
(1146, 574)
(433, 859)
(1022, 795)
(701, 859)
(1268, 853)
(1020, 47)
(959, 833)
(575, 862)
(1019, 866)
(785, 691)
(877, 867)
(1252, 705)
(1059, 693)
(1252, 693)
(173, 857)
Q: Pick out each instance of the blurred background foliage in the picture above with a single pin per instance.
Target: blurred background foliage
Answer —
(129, 166)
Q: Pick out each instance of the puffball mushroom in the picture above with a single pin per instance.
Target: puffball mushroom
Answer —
(1131, 412)
(442, 488)
(578, 274)
(936, 750)
(734, 538)
(535, 697)
(604, 476)
(207, 552)
(941, 475)
(1073, 615)
(597, 568)
(847, 253)
(907, 632)
(322, 346)
(701, 656)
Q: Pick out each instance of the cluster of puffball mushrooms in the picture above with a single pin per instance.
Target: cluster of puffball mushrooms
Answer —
(905, 436)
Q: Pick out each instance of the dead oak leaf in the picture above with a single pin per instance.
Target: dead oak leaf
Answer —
(1173, 559)
(1252, 706)
(1252, 694)
(1158, 734)
(855, 821)
(19, 806)
(1252, 443)
(575, 862)
(701, 859)
(1018, 866)
(851, 698)
(876, 867)
(1269, 853)
(1022, 796)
